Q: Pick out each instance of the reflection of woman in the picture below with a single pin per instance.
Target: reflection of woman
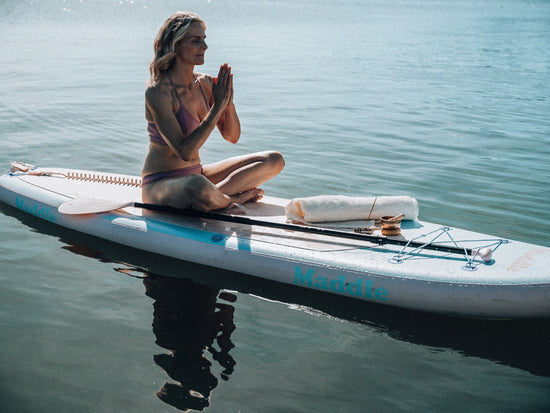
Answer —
(182, 109)
(187, 320)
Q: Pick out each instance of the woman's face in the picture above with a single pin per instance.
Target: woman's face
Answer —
(192, 47)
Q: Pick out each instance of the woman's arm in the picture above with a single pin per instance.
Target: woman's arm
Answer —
(229, 124)
(159, 104)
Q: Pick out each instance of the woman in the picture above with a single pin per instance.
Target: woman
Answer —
(182, 109)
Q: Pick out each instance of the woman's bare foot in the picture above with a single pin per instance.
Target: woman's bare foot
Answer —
(252, 195)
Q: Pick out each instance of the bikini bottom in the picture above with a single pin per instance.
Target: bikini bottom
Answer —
(190, 170)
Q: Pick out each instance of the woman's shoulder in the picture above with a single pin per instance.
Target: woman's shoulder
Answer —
(159, 89)
(205, 79)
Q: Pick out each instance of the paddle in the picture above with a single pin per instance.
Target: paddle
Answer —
(96, 205)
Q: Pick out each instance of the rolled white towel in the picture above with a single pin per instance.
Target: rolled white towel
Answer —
(331, 208)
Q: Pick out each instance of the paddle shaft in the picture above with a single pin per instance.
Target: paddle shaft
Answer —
(299, 228)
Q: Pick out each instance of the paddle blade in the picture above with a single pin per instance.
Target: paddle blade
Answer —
(91, 206)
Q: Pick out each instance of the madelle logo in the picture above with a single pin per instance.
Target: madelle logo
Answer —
(36, 210)
(358, 287)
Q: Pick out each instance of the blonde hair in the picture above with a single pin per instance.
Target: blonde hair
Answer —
(172, 31)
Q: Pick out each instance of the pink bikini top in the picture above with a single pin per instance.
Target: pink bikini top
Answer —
(187, 122)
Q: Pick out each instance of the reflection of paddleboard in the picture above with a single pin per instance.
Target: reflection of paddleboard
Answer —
(515, 282)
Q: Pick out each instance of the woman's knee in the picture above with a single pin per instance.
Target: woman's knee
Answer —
(199, 187)
(275, 161)
(205, 196)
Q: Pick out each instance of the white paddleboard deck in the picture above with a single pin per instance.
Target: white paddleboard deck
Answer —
(514, 283)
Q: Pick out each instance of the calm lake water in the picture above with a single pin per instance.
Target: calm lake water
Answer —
(445, 101)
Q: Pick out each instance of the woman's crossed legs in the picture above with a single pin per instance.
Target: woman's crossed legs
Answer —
(222, 183)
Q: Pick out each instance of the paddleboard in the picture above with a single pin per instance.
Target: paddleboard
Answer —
(511, 282)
